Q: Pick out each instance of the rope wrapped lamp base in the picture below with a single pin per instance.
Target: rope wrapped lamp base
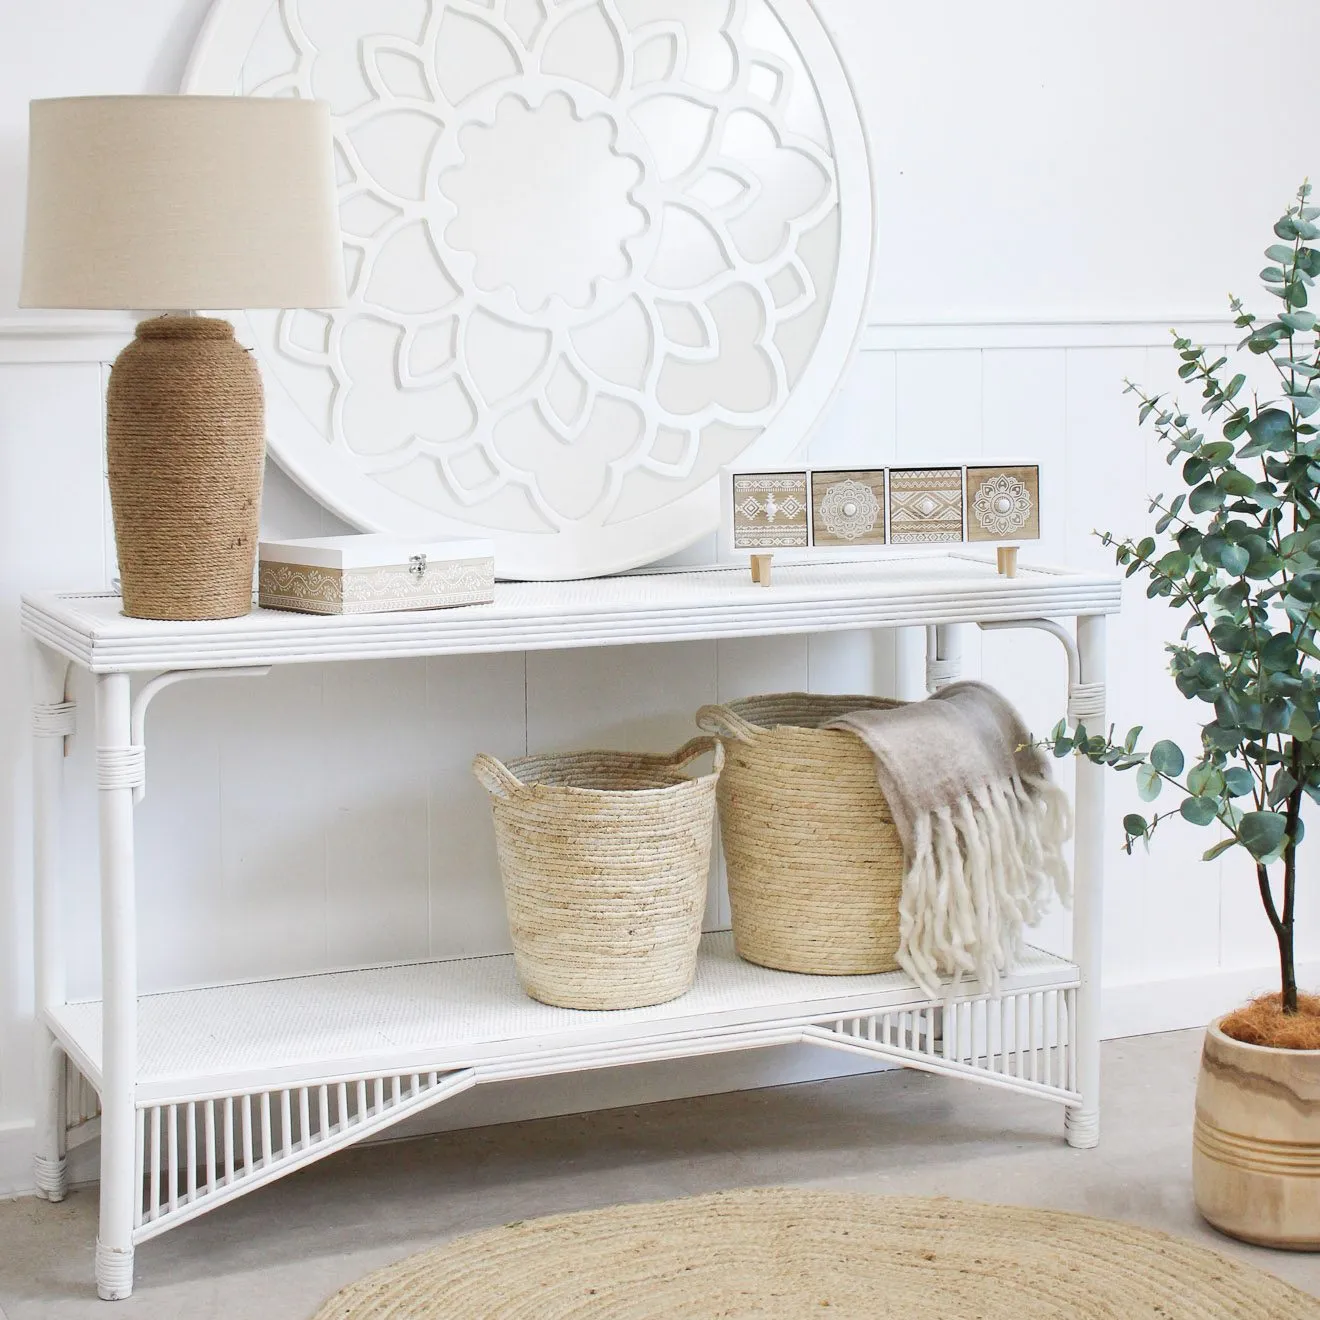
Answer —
(785, 1254)
(186, 444)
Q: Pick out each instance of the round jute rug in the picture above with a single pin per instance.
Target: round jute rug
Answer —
(786, 1254)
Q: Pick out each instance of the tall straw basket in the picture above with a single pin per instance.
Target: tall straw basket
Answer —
(815, 862)
(605, 858)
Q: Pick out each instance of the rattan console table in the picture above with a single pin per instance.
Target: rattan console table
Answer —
(204, 1095)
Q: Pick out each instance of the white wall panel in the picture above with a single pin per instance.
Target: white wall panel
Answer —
(1106, 489)
(376, 812)
(51, 529)
(473, 704)
(938, 406)
(861, 427)
(1039, 160)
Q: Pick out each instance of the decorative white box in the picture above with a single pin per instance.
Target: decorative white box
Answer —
(373, 573)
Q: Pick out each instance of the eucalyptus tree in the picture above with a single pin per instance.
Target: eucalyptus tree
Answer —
(1237, 551)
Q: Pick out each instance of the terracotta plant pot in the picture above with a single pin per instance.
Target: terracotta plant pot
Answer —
(1256, 1149)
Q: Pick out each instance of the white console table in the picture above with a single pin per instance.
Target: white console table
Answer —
(206, 1094)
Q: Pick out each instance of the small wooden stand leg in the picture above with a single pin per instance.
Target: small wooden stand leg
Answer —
(1006, 555)
(761, 569)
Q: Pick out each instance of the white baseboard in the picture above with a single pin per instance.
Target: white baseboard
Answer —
(1146, 1008)
(16, 1158)
(1130, 1009)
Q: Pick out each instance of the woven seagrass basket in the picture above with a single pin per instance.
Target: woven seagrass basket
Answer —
(605, 858)
(815, 862)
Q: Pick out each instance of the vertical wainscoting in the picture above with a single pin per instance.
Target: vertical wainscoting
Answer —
(325, 816)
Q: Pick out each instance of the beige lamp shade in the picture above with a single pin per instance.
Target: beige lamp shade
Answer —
(181, 202)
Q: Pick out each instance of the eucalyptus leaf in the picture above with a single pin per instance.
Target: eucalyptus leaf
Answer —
(1234, 559)
(1262, 832)
(1149, 783)
(1271, 426)
(1167, 758)
(1199, 810)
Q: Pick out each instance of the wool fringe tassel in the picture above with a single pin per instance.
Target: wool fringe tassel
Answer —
(981, 870)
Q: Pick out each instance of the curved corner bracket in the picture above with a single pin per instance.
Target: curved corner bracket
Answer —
(1066, 640)
(150, 690)
(1086, 701)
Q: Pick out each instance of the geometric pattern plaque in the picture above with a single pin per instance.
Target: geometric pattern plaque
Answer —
(596, 250)
(925, 505)
(1003, 503)
(770, 511)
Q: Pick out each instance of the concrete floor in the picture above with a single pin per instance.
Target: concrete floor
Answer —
(277, 1254)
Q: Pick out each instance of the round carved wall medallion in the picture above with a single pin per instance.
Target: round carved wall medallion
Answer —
(596, 249)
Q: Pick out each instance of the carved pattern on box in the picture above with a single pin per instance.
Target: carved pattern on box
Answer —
(1003, 504)
(770, 511)
(925, 505)
(313, 590)
(848, 508)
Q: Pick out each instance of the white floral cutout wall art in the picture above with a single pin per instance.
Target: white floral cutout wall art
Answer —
(595, 250)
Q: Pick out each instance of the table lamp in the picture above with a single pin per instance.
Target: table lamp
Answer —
(175, 204)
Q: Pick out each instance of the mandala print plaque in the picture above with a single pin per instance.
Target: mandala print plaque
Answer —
(1003, 504)
(596, 250)
(849, 508)
(770, 511)
(925, 505)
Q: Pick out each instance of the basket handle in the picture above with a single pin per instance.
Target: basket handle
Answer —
(695, 748)
(724, 720)
(495, 777)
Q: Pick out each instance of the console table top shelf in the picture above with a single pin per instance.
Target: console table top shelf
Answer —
(684, 605)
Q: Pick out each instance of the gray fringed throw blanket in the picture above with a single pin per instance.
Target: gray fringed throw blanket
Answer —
(983, 827)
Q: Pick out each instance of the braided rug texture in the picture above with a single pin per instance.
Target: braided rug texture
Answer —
(785, 1254)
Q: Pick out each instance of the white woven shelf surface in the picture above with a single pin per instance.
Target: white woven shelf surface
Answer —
(452, 1014)
(916, 588)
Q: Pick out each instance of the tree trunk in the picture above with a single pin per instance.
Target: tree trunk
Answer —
(1288, 969)
(1287, 955)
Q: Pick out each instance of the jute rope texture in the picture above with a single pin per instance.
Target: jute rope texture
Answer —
(185, 443)
(782, 1254)
(605, 858)
(815, 862)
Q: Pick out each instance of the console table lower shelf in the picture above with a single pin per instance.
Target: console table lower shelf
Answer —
(240, 1084)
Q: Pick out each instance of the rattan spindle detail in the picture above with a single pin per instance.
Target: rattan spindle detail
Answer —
(605, 858)
(815, 862)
